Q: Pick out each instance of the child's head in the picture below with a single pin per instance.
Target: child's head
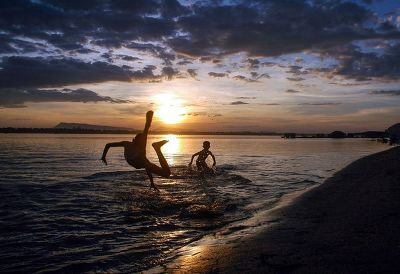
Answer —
(206, 144)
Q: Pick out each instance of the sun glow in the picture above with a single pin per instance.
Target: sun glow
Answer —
(171, 148)
(173, 145)
(170, 108)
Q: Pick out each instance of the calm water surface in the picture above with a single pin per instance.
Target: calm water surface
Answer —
(61, 210)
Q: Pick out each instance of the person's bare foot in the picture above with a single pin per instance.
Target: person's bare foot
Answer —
(153, 186)
(157, 145)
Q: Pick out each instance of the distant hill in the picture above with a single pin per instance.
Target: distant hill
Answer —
(394, 130)
(88, 126)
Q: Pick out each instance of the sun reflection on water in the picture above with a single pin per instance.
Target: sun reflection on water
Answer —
(171, 148)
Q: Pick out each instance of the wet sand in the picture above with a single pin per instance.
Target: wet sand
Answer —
(348, 224)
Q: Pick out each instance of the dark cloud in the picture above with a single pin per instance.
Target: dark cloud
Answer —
(253, 63)
(297, 71)
(295, 79)
(68, 24)
(145, 74)
(271, 104)
(203, 113)
(11, 98)
(41, 72)
(320, 104)
(169, 72)
(269, 64)
(244, 78)
(108, 56)
(17, 72)
(272, 28)
(128, 57)
(238, 103)
(256, 75)
(192, 72)
(217, 75)
(245, 97)
(292, 91)
(386, 92)
(184, 62)
(155, 50)
(364, 66)
(207, 29)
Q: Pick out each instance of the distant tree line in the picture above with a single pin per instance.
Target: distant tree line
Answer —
(107, 131)
(338, 135)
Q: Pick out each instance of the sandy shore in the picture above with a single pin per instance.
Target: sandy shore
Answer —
(349, 224)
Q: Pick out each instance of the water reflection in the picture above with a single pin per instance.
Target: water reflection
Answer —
(172, 148)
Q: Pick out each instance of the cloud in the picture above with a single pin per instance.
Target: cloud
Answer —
(128, 57)
(217, 75)
(243, 78)
(386, 92)
(292, 91)
(42, 72)
(320, 104)
(154, 50)
(192, 72)
(364, 66)
(11, 98)
(271, 28)
(184, 62)
(169, 72)
(253, 63)
(297, 71)
(238, 103)
(169, 30)
(255, 75)
(271, 104)
(295, 79)
(203, 113)
(245, 97)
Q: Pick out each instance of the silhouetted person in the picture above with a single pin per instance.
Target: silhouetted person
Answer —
(202, 156)
(135, 153)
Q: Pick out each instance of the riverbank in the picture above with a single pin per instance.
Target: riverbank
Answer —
(349, 224)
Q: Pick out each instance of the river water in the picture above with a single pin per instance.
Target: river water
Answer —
(62, 210)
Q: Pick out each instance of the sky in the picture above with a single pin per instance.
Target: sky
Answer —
(209, 65)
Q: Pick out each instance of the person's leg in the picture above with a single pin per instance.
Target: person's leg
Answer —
(199, 166)
(164, 170)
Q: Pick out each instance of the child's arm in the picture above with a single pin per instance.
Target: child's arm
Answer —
(213, 157)
(194, 155)
(107, 147)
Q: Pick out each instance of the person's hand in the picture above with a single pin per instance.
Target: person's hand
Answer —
(103, 159)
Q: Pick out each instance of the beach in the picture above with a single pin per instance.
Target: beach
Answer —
(348, 224)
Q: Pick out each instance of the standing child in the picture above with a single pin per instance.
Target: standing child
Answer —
(202, 156)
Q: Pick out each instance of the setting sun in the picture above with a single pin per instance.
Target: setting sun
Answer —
(170, 108)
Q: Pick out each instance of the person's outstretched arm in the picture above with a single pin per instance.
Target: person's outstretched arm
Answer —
(213, 157)
(107, 147)
(194, 155)
(149, 119)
